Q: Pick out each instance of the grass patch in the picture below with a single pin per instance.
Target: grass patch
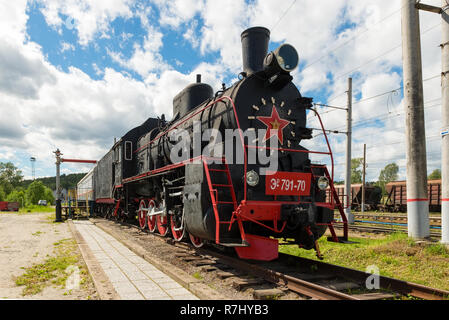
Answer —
(51, 218)
(36, 208)
(53, 270)
(395, 255)
(198, 276)
(37, 233)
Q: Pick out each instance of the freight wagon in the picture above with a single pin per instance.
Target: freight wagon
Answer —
(9, 206)
(397, 196)
(373, 195)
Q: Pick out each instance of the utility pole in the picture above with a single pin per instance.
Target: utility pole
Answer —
(415, 137)
(58, 186)
(348, 197)
(445, 122)
(363, 181)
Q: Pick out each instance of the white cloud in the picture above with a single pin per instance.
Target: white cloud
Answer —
(175, 12)
(146, 58)
(89, 18)
(65, 46)
(43, 107)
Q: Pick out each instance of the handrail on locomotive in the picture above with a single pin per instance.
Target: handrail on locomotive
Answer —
(245, 146)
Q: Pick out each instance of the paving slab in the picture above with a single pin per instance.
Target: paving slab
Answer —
(132, 277)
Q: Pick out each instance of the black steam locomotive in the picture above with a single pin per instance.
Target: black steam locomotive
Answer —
(181, 178)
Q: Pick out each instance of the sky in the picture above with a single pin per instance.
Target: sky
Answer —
(74, 74)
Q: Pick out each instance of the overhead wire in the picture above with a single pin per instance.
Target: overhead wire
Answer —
(283, 15)
(352, 38)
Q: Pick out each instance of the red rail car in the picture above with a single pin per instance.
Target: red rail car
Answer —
(397, 196)
(9, 206)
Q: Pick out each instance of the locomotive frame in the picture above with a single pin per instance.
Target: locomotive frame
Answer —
(202, 196)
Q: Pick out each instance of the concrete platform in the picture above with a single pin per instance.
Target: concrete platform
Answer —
(132, 277)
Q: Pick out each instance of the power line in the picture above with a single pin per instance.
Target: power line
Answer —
(389, 113)
(391, 91)
(348, 41)
(384, 161)
(381, 55)
(285, 12)
(374, 119)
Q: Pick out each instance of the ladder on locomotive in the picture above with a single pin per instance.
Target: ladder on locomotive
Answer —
(338, 205)
(212, 175)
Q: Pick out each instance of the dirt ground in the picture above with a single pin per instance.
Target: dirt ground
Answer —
(29, 239)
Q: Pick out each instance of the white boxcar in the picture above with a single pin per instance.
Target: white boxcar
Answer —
(84, 188)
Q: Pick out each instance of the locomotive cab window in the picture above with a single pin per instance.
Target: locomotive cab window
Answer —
(128, 150)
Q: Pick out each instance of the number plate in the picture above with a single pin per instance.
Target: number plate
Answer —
(288, 183)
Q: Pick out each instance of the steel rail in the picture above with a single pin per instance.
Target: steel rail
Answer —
(365, 228)
(310, 289)
(294, 284)
(400, 286)
(303, 287)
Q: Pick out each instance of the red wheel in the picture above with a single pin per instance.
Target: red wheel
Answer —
(197, 242)
(177, 229)
(162, 225)
(142, 215)
(151, 220)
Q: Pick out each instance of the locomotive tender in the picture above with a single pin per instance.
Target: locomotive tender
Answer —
(233, 197)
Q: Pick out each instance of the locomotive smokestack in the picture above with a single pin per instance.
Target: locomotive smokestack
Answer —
(198, 78)
(254, 48)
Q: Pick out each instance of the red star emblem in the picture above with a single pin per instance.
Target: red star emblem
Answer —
(274, 124)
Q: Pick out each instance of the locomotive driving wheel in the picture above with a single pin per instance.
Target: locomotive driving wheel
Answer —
(162, 225)
(151, 219)
(177, 228)
(142, 215)
(196, 241)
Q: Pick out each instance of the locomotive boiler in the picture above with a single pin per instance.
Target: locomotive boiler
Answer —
(228, 168)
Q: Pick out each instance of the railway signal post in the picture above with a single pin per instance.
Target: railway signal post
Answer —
(445, 123)
(415, 137)
(59, 160)
(58, 186)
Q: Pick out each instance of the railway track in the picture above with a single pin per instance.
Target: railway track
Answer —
(433, 220)
(365, 227)
(389, 224)
(309, 279)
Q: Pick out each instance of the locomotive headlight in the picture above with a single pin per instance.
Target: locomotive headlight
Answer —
(252, 178)
(323, 183)
(285, 58)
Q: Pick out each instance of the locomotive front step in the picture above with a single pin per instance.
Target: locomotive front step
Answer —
(233, 243)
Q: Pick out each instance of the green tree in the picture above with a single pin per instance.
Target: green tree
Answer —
(356, 170)
(2, 194)
(48, 195)
(10, 176)
(436, 174)
(35, 192)
(17, 195)
(388, 174)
